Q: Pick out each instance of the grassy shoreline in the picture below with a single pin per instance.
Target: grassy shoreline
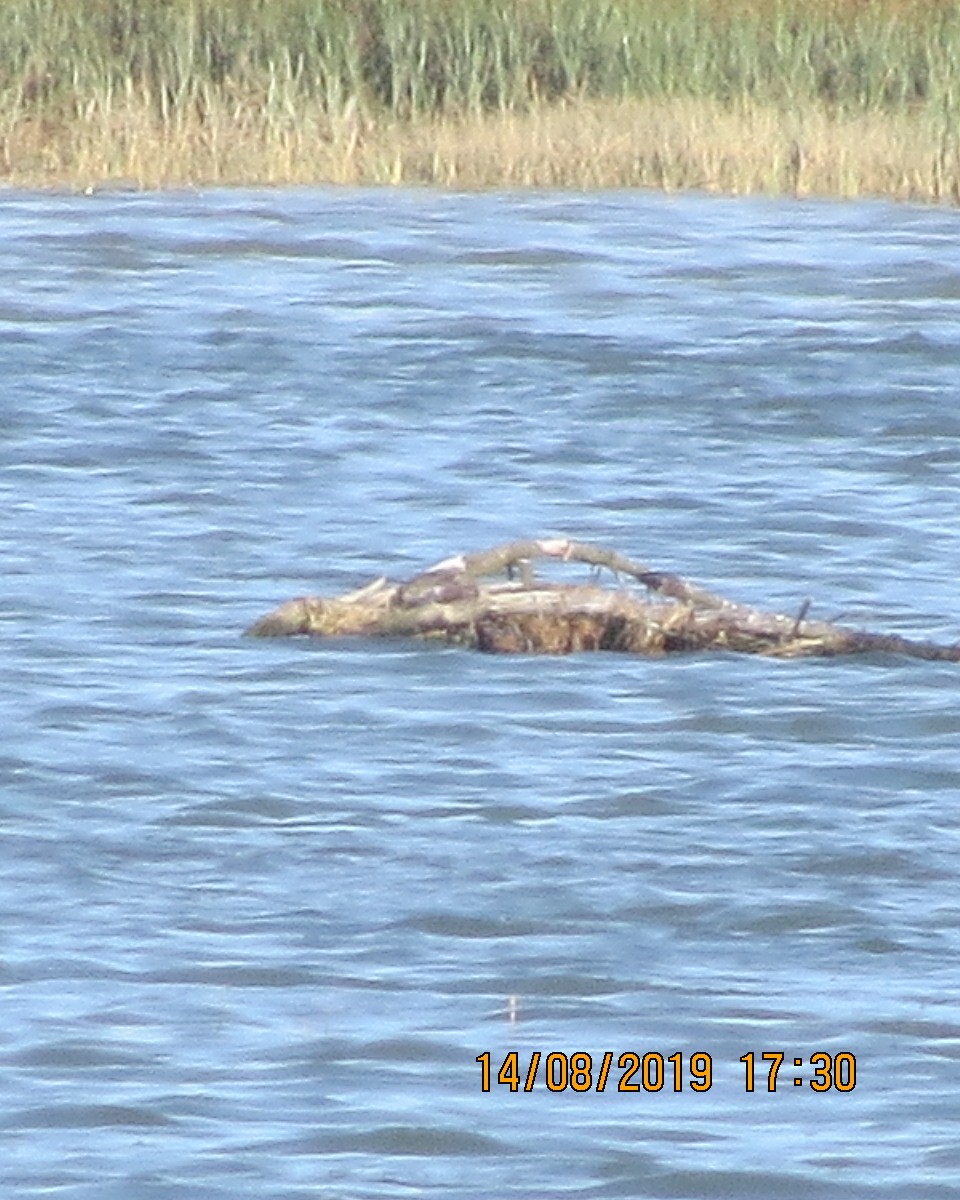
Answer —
(667, 145)
(806, 97)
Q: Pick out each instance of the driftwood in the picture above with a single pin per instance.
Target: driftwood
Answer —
(493, 601)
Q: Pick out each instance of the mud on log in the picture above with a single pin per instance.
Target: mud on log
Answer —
(494, 601)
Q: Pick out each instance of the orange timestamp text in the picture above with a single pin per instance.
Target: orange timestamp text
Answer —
(653, 1071)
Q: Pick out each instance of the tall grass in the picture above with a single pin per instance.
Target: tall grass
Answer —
(418, 57)
(282, 84)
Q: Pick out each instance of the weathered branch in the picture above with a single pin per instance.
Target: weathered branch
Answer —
(456, 602)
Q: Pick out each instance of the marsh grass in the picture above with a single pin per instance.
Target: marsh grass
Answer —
(809, 96)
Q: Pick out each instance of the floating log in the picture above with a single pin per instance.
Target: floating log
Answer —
(494, 601)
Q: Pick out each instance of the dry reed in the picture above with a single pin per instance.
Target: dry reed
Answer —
(838, 97)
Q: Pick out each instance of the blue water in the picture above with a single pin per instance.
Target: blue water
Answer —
(263, 903)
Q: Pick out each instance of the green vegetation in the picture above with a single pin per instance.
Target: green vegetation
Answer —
(414, 58)
(350, 89)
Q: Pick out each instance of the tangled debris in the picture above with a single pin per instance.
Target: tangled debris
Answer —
(493, 601)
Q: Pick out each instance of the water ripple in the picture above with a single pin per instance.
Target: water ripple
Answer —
(264, 904)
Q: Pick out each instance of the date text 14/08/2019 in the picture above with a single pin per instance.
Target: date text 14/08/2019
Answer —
(655, 1072)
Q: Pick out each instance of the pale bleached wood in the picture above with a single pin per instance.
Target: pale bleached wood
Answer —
(464, 600)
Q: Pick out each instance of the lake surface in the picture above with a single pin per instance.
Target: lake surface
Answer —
(264, 903)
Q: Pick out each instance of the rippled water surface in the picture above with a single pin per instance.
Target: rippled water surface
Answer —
(263, 904)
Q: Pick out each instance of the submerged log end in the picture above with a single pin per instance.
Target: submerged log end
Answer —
(295, 617)
(360, 612)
